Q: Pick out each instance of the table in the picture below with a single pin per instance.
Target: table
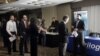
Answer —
(52, 39)
(92, 45)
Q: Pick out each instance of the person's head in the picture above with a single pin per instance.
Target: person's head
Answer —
(25, 17)
(53, 18)
(39, 21)
(12, 17)
(79, 16)
(65, 19)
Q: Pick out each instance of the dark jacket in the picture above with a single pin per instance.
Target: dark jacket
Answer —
(23, 30)
(55, 25)
(80, 25)
(33, 30)
(63, 31)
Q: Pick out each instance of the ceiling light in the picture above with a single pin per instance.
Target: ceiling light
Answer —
(6, 1)
(77, 0)
(6, 8)
(29, 2)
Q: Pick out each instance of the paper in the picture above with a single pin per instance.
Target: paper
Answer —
(12, 38)
(75, 33)
(51, 33)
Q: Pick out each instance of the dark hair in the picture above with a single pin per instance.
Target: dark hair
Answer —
(12, 15)
(65, 17)
(79, 15)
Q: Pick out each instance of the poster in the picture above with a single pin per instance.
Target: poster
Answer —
(84, 16)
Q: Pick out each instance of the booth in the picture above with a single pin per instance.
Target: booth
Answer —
(92, 45)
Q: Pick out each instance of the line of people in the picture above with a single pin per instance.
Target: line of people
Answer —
(30, 30)
(27, 31)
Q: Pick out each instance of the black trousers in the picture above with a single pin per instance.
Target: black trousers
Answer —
(11, 45)
(78, 42)
(34, 45)
(61, 46)
(23, 45)
(5, 38)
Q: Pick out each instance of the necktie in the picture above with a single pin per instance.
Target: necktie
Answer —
(25, 24)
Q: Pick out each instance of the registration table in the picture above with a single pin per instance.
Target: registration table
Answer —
(52, 39)
(92, 45)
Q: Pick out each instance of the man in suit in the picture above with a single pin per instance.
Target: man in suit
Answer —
(78, 41)
(62, 35)
(24, 35)
(4, 32)
(11, 29)
(54, 25)
(79, 24)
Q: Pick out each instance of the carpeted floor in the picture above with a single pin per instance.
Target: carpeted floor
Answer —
(42, 51)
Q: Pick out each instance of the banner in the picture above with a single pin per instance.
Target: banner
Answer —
(84, 17)
(92, 46)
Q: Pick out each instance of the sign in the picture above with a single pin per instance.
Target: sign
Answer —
(92, 46)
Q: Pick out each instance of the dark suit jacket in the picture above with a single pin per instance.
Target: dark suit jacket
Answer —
(62, 32)
(23, 30)
(55, 25)
(33, 30)
(80, 25)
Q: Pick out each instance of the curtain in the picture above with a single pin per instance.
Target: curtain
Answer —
(93, 17)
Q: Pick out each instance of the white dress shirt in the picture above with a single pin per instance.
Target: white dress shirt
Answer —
(11, 27)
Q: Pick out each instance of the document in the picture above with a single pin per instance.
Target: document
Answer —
(75, 33)
(12, 38)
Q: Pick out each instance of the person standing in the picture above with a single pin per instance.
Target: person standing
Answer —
(42, 35)
(63, 31)
(4, 32)
(24, 28)
(35, 29)
(78, 40)
(34, 33)
(12, 31)
(54, 25)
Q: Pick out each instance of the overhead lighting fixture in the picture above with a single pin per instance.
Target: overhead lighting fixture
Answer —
(77, 0)
(6, 8)
(12, 8)
(29, 2)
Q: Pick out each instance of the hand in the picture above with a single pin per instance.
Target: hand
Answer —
(29, 23)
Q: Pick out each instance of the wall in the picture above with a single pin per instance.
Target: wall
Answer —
(58, 12)
(48, 13)
(93, 8)
(86, 3)
(62, 10)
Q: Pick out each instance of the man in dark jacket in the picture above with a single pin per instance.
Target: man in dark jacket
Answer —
(78, 41)
(24, 28)
(62, 35)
